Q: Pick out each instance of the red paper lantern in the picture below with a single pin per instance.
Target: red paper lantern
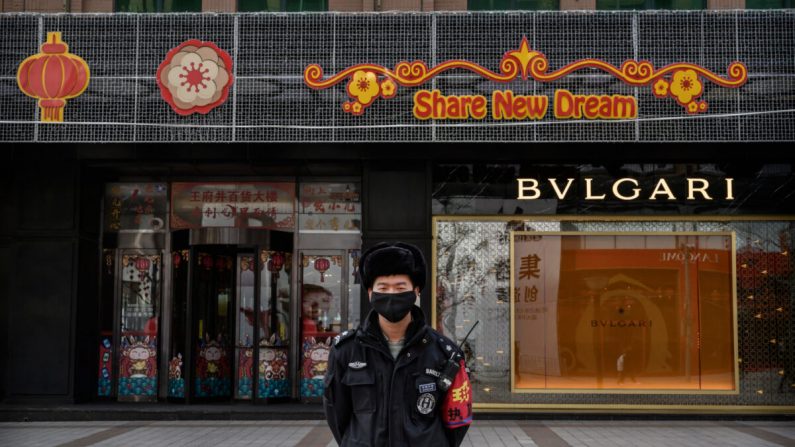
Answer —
(276, 263)
(321, 265)
(177, 260)
(52, 76)
(142, 264)
(207, 262)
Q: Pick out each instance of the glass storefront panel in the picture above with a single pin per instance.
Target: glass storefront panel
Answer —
(244, 348)
(139, 319)
(472, 282)
(180, 263)
(354, 290)
(273, 321)
(622, 311)
(105, 376)
(321, 315)
(214, 285)
(274, 311)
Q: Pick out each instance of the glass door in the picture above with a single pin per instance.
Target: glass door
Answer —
(269, 273)
(246, 320)
(212, 293)
(323, 305)
(139, 311)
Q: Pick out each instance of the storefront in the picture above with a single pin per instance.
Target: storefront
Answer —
(609, 194)
(185, 291)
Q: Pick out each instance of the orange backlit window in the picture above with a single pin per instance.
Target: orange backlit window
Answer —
(623, 312)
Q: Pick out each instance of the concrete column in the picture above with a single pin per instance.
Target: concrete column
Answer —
(450, 5)
(345, 5)
(577, 4)
(400, 5)
(725, 4)
(219, 6)
(42, 5)
(91, 5)
(12, 5)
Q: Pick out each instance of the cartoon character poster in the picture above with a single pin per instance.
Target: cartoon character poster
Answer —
(138, 368)
(176, 384)
(315, 364)
(273, 381)
(245, 365)
(212, 369)
(105, 376)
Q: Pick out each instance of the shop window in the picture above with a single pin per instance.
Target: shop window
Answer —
(622, 311)
(140, 312)
(282, 5)
(504, 5)
(329, 225)
(131, 284)
(157, 6)
(650, 4)
(717, 294)
(769, 4)
(321, 316)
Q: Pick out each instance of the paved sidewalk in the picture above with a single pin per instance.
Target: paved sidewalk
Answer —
(487, 433)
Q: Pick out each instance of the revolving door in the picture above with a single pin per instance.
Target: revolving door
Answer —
(230, 315)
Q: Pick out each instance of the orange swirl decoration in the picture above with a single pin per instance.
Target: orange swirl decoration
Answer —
(680, 81)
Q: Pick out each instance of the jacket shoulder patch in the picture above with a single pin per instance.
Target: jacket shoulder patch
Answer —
(341, 338)
(447, 346)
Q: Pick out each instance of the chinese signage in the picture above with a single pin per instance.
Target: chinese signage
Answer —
(330, 207)
(135, 207)
(240, 205)
(682, 82)
(641, 312)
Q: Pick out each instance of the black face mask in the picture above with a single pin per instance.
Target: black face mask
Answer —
(393, 306)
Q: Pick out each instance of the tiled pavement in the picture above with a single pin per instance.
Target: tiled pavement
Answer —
(487, 433)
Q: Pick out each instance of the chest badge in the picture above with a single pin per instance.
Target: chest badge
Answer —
(426, 403)
(427, 387)
(357, 365)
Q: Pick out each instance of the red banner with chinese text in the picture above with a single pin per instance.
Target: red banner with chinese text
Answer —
(268, 205)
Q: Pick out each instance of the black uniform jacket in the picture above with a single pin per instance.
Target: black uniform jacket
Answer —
(370, 399)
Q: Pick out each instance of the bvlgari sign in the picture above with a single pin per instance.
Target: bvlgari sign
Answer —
(682, 81)
(627, 188)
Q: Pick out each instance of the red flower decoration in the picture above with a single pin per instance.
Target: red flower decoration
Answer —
(195, 77)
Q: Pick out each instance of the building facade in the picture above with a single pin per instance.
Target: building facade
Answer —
(608, 193)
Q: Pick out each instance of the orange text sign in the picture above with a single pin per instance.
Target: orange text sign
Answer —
(682, 81)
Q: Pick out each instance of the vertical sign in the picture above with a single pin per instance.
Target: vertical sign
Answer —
(536, 274)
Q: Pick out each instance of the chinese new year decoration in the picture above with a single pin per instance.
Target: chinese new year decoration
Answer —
(195, 77)
(321, 265)
(206, 261)
(52, 76)
(276, 263)
(684, 82)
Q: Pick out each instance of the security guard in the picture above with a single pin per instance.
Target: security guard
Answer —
(395, 381)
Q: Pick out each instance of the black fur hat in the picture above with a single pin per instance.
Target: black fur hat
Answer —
(392, 258)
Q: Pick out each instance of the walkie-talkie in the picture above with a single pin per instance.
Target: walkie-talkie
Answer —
(451, 367)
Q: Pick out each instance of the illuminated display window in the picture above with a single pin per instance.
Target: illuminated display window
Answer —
(623, 312)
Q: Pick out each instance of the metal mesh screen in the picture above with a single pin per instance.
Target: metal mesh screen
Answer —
(473, 283)
(269, 101)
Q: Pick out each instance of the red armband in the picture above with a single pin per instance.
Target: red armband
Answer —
(457, 407)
